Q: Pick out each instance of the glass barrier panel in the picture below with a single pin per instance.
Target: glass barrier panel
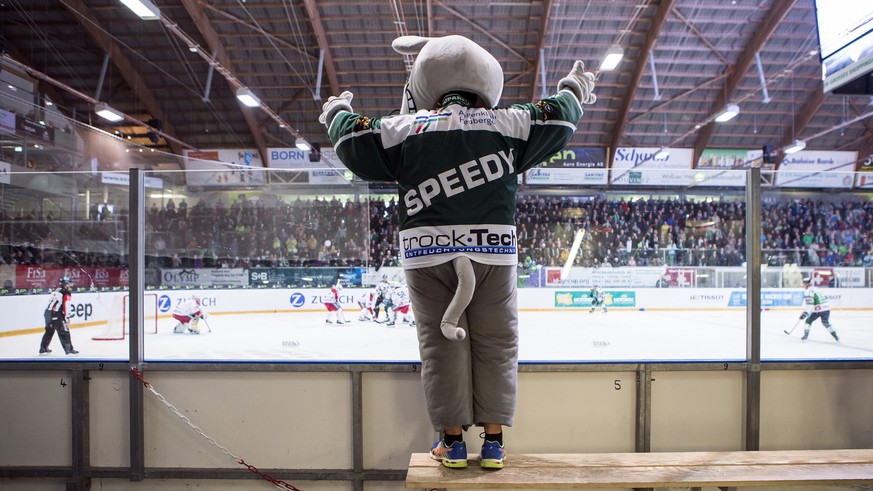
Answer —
(252, 264)
(61, 233)
(64, 196)
(816, 227)
(632, 275)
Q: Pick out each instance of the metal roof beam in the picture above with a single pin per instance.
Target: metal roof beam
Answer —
(204, 26)
(544, 28)
(42, 87)
(765, 29)
(804, 116)
(128, 70)
(664, 8)
(482, 30)
(700, 35)
(258, 30)
(324, 45)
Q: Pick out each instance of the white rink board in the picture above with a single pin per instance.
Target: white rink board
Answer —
(89, 309)
(288, 326)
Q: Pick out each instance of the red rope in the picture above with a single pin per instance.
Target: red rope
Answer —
(272, 480)
(136, 373)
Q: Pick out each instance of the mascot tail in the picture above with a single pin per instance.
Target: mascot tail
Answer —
(463, 295)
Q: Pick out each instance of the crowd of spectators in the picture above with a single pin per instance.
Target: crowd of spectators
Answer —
(269, 231)
(263, 232)
(689, 232)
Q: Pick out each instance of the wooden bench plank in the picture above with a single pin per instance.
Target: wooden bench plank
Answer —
(659, 469)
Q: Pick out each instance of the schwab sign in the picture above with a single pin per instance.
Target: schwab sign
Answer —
(639, 166)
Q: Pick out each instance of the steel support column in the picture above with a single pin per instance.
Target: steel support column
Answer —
(136, 263)
(752, 386)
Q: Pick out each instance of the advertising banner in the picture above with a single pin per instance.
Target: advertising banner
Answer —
(681, 277)
(122, 179)
(292, 158)
(341, 177)
(817, 169)
(823, 277)
(565, 299)
(316, 277)
(204, 277)
(637, 166)
(774, 298)
(850, 277)
(7, 121)
(33, 129)
(30, 277)
(864, 177)
(317, 166)
(647, 277)
(729, 158)
(572, 165)
(226, 168)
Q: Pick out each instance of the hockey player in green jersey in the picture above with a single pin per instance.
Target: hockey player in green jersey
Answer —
(596, 295)
(456, 157)
(815, 306)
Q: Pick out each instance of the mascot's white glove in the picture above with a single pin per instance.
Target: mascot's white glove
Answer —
(333, 106)
(579, 82)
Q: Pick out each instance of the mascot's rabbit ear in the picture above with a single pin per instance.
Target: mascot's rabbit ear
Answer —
(409, 45)
(446, 64)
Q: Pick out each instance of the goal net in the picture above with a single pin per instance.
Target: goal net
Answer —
(118, 323)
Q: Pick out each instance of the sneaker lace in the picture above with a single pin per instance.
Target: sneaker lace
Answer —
(442, 449)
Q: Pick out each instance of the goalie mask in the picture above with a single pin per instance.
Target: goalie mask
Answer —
(446, 64)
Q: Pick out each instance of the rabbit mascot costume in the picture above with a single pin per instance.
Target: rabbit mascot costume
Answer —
(456, 157)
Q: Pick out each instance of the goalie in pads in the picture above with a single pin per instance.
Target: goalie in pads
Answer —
(188, 314)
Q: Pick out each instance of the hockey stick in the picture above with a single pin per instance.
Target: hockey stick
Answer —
(789, 331)
(207, 323)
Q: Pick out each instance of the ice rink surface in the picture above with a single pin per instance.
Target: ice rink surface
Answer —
(575, 336)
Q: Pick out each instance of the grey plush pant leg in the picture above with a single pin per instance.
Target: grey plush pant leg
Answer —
(472, 381)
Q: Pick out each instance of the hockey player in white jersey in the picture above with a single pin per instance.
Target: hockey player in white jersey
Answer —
(334, 306)
(188, 313)
(367, 301)
(399, 307)
(815, 306)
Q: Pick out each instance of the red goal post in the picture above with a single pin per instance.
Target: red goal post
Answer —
(118, 321)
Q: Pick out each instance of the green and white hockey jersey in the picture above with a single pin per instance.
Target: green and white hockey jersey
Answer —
(457, 171)
(814, 302)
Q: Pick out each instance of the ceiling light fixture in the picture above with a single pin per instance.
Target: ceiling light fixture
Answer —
(247, 97)
(796, 146)
(145, 9)
(728, 113)
(303, 145)
(104, 111)
(613, 56)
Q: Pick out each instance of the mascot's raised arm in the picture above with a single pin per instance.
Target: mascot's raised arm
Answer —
(456, 155)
